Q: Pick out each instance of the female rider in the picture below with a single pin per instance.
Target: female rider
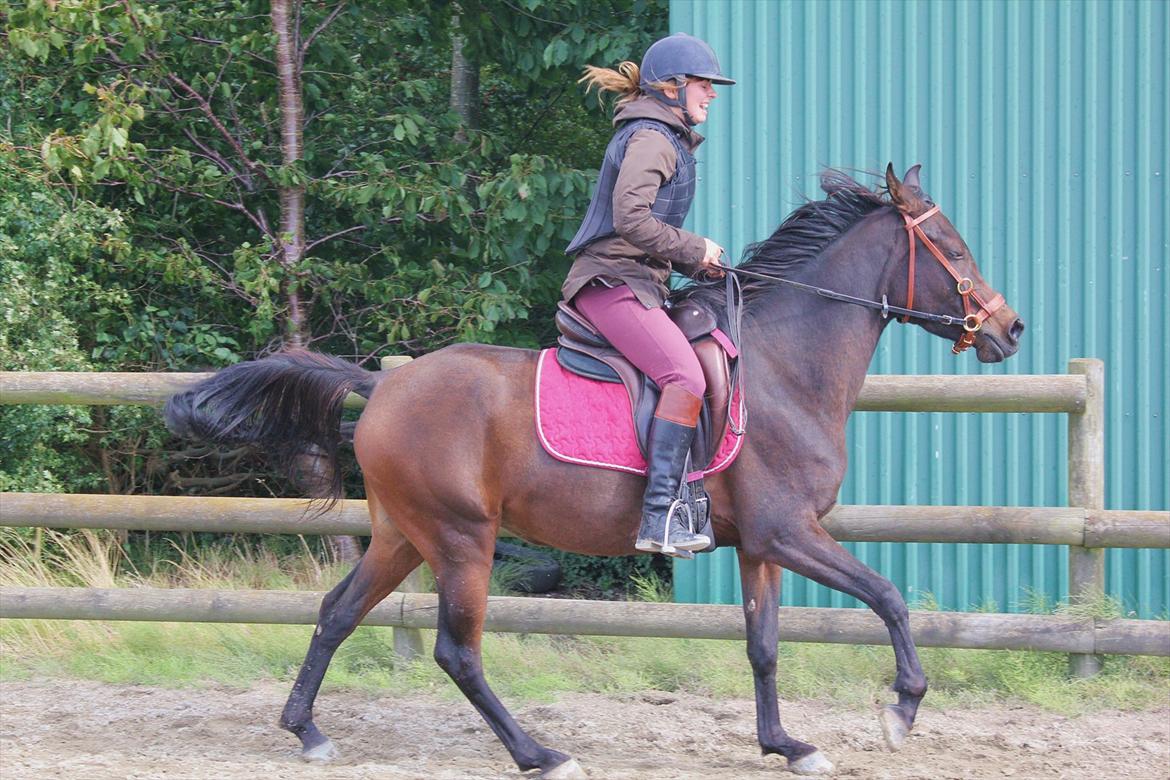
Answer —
(630, 241)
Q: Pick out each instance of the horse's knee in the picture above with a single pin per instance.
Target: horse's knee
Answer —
(891, 598)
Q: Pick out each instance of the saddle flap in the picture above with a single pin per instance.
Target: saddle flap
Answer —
(693, 320)
(576, 328)
(713, 358)
(577, 362)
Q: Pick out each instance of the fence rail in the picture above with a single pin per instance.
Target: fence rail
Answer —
(601, 618)
(881, 393)
(1086, 526)
(853, 523)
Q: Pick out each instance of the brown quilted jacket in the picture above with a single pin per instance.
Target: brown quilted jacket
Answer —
(646, 250)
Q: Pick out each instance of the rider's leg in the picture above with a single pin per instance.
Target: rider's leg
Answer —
(646, 337)
(649, 340)
(665, 525)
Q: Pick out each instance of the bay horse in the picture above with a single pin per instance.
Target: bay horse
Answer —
(449, 454)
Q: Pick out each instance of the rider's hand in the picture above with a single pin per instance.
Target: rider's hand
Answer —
(710, 264)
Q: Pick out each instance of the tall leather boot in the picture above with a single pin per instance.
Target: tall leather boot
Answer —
(666, 524)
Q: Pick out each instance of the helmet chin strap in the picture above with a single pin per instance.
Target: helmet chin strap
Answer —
(680, 102)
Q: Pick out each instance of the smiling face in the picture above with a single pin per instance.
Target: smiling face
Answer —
(698, 95)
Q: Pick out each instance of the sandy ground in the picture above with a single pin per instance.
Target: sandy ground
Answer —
(55, 729)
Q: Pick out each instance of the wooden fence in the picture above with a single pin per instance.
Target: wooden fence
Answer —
(1084, 525)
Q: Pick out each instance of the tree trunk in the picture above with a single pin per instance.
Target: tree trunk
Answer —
(285, 18)
(464, 82)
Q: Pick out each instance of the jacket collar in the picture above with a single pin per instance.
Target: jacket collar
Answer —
(647, 107)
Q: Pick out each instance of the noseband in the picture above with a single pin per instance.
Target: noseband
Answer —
(972, 320)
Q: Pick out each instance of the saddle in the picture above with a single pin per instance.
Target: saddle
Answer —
(582, 350)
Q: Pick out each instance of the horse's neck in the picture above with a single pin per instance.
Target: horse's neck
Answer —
(814, 351)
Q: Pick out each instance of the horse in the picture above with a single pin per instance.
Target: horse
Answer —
(449, 455)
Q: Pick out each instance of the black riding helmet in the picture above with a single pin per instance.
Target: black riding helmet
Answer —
(674, 59)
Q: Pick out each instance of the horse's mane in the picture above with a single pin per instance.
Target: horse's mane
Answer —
(801, 238)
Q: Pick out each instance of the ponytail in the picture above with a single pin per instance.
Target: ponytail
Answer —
(625, 81)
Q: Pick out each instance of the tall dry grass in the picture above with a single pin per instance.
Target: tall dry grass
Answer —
(533, 667)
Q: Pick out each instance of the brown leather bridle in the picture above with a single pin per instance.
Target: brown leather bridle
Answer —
(972, 320)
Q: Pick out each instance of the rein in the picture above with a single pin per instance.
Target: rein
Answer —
(971, 322)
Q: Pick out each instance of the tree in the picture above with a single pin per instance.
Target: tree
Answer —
(294, 170)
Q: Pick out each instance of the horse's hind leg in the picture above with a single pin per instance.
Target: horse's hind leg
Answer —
(812, 552)
(761, 596)
(386, 563)
(462, 572)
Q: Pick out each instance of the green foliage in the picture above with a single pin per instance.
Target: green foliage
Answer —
(438, 233)
(142, 174)
(607, 578)
(652, 588)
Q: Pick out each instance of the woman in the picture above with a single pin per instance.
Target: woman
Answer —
(630, 241)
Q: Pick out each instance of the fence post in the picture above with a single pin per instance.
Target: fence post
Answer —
(1086, 489)
(408, 643)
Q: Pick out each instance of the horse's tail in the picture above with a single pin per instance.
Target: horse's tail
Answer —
(288, 405)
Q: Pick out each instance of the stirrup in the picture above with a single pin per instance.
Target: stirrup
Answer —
(680, 549)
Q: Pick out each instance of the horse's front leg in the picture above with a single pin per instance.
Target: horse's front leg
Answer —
(761, 597)
(807, 549)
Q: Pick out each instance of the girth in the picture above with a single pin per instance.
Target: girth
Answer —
(582, 350)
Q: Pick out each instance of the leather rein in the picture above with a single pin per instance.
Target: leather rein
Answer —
(971, 321)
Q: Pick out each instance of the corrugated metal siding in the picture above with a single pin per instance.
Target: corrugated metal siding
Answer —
(1042, 130)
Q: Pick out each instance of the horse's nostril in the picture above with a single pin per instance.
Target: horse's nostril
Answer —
(1016, 330)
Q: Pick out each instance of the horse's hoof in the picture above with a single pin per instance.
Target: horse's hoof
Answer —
(569, 770)
(320, 754)
(894, 728)
(812, 764)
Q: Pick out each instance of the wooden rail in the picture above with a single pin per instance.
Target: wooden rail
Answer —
(1085, 526)
(601, 618)
(856, 523)
(881, 393)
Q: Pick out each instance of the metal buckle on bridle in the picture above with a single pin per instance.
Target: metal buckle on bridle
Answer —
(965, 286)
(972, 323)
(885, 308)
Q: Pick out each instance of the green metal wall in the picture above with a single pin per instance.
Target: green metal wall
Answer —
(1042, 130)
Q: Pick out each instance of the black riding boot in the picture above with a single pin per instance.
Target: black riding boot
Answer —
(666, 522)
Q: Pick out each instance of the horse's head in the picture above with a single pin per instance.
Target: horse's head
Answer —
(942, 277)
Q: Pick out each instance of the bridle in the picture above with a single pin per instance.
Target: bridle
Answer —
(971, 321)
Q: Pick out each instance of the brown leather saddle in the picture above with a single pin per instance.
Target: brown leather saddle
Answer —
(582, 350)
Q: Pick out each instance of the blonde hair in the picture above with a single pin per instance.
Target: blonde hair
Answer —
(625, 81)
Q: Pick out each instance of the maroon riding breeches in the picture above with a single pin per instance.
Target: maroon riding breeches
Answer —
(646, 337)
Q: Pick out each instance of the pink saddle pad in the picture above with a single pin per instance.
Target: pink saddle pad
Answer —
(587, 422)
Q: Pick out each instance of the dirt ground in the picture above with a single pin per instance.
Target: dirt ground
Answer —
(55, 729)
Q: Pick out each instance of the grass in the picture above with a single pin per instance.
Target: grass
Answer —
(524, 667)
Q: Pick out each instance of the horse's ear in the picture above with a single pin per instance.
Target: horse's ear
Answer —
(905, 195)
(911, 178)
